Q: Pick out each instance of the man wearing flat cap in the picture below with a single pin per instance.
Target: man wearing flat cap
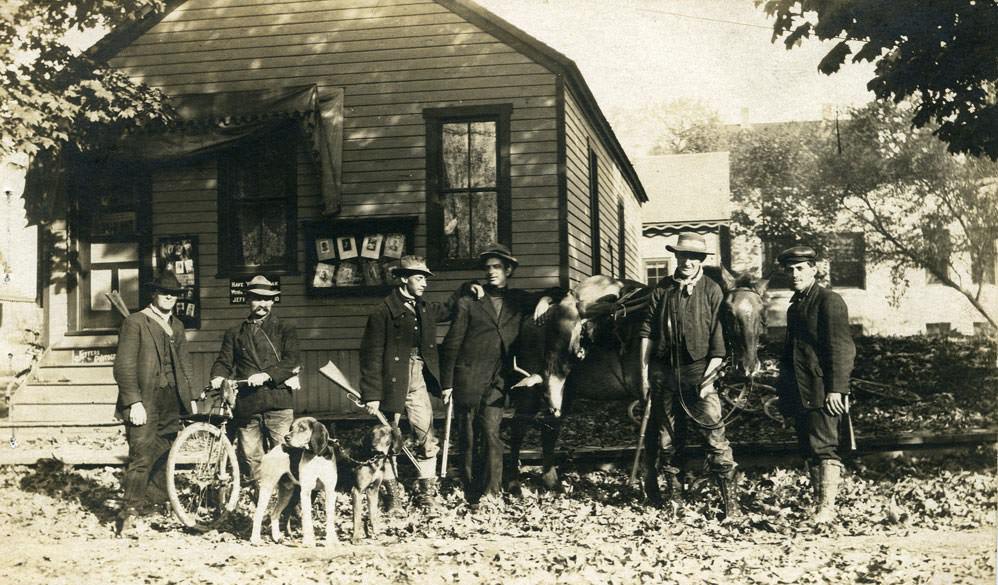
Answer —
(477, 360)
(154, 374)
(262, 350)
(400, 367)
(682, 344)
(815, 367)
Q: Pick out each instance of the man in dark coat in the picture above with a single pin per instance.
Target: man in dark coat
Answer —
(815, 367)
(682, 345)
(263, 350)
(477, 364)
(154, 375)
(400, 367)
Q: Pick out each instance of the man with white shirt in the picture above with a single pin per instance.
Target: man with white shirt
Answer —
(154, 375)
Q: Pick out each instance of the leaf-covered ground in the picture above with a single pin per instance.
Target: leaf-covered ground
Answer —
(903, 521)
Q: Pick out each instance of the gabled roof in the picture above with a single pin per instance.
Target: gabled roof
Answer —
(685, 189)
(478, 15)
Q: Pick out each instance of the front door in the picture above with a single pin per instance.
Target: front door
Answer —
(110, 236)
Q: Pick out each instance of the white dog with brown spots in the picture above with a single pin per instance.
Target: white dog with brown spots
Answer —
(305, 459)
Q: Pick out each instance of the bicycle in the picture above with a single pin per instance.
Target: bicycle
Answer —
(202, 471)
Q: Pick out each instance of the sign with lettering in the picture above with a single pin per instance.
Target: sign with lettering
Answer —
(96, 355)
(237, 290)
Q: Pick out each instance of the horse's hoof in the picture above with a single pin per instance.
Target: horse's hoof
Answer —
(552, 482)
(514, 489)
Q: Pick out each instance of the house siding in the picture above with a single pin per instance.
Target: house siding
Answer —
(579, 138)
(392, 59)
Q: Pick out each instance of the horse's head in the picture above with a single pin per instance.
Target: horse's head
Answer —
(743, 316)
(563, 348)
(570, 332)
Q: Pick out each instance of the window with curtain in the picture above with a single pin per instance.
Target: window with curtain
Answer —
(468, 180)
(256, 207)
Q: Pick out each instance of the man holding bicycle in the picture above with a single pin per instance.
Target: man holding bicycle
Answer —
(683, 342)
(154, 372)
(263, 351)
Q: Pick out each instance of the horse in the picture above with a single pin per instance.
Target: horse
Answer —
(587, 346)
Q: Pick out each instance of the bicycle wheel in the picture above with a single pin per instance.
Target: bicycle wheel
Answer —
(202, 476)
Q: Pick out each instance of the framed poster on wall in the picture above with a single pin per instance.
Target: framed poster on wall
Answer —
(179, 254)
(353, 257)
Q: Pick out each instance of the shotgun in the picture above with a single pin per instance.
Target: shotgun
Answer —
(334, 375)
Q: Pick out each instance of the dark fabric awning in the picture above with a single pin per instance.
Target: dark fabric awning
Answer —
(207, 123)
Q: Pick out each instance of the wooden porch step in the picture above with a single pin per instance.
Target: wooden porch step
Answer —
(66, 393)
(76, 373)
(79, 413)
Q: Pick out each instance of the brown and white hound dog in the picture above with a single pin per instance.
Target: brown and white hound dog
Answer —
(306, 459)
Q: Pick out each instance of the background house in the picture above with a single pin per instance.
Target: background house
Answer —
(691, 192)
(686, 192)
(307, 133)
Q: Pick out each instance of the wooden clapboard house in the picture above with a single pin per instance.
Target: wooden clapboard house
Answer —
(315, 140)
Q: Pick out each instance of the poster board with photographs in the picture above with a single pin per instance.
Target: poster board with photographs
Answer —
(353, 257)
(179, 254)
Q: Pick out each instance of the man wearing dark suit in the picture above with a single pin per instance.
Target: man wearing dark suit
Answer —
(263, 350)
(399, 368)
(476, 364)
(154, 375)
(815, 367)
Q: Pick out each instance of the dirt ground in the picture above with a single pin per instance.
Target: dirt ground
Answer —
(902, 522)
(929, 556)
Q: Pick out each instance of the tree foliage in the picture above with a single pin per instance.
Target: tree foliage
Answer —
(917, 205)
(677, 127)
(942, 54)
(50, 92)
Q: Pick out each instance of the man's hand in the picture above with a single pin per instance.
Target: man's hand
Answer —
(542, 307)
(373, 407)
(137, 414)
(294, 382)
(258, 379)
(477, 290)
(445, 395)
(531, 380)
(707, 390)
(835, 404)
(216, 382)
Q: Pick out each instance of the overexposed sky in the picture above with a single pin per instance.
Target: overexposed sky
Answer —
(634, 52)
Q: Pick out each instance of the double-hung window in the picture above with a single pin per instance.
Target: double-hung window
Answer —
(468, 184)
(256, 207)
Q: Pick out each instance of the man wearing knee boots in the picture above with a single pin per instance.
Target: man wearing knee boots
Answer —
(815, 367)
(682, 344)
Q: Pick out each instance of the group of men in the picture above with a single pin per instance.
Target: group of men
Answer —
(402, 365)
(155, 387)
(683, 345)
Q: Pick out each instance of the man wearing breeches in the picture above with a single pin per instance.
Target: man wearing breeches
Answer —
(815, 367)
(682, 343)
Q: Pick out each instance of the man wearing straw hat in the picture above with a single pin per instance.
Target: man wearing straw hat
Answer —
(263, 350)
(815, 368)
(682, 344)
(154, 372)
(399, 367)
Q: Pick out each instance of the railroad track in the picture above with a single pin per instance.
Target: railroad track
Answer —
(745, 452)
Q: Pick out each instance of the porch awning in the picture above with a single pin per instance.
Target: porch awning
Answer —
(207, 123)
